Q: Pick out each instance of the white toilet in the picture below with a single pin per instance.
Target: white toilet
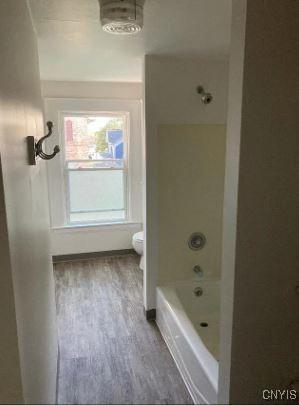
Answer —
(137, 242)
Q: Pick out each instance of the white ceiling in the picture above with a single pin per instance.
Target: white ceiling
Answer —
(73, 46)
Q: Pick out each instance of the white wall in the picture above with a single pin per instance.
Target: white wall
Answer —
(114, 90)
(171, 98)
(260, 306)
(85, 239)
(28, 349)
(231, 194)
(11, 390)
(94, 97)
(190, 198)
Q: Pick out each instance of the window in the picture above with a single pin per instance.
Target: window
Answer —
(95, 148)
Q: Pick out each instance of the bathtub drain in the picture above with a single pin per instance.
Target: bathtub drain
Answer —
(204, 324)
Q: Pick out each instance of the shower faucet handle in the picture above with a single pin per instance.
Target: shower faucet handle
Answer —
(198, 270)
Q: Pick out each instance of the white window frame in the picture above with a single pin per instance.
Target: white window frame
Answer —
(126, 168)
(54, 107)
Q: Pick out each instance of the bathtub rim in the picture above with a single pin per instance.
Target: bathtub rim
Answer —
(207, 361)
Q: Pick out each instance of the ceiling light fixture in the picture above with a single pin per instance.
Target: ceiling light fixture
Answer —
(121, 16)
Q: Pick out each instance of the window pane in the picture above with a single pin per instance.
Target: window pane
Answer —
(95, 217)
(95, 164)
(94, 137)
(97, 193)
(94, 151)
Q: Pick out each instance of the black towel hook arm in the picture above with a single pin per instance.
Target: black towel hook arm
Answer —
(39, 145)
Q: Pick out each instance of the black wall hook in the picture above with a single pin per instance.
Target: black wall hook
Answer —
(36, 148)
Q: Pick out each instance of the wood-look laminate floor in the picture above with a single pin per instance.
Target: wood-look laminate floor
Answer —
(109, 353)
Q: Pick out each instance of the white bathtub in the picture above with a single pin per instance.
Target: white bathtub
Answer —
(193, 347)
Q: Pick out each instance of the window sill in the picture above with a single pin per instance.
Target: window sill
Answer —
(97, 227)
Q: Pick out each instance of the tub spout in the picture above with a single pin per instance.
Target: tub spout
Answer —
(198, 270)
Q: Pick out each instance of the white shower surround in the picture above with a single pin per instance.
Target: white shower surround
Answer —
(165, 78)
